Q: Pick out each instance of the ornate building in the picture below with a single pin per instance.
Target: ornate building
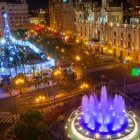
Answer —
(18, 14)
(134, 2)
(55, 7)
(103, 29)
(62, 16)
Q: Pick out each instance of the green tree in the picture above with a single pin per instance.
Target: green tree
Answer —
(31, 126)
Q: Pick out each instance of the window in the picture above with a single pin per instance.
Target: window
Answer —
(121, 39)
(122, 35)
(129, 44)
(121, 43)
(114, 41)
(129, 36)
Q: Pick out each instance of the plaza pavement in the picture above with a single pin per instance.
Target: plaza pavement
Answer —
(15, 92)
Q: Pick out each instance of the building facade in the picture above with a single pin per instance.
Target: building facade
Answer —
(105, 32)
(18, 14)
(134, 2)
(62, 16)
(55, 8)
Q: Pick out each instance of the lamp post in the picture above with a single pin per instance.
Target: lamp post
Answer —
(84, 86)
(127, 60)
(57, 73)
(104, 50)
(110, 52)
(19, 82)
(40, 100)
(77, 58)
(77, 42)
(124, 83)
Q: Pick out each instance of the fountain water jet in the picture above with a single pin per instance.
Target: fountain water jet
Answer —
(106, 116)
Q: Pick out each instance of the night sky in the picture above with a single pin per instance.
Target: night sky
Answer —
(34, 4)
(37, 4)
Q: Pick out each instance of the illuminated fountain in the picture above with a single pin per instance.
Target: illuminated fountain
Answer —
(102, 119)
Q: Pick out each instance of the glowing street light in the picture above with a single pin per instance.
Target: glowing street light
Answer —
(110, 51)
(66, 37)
(62, 50)
(128, 58)
(19, 82)
(40, 100)
(57, 74)
(86, 42)
(78, 58)
(77, 41)
(84, 86)
(57, 47)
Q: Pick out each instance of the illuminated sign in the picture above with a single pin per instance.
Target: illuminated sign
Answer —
(135, 72)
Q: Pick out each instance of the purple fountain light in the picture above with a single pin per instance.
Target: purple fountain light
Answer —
(106, 116)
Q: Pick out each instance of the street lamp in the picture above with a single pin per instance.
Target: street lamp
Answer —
(19, 82)
(57, 73)
(128, 59)
(86, 42)
(78, 58)
(66, 37)
(104, 50)
(40, 100)
(110, 52)
(62, 50)
(77, 41)
(84, 86)
(57, 47)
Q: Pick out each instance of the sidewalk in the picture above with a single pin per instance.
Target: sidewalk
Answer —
(15, 92)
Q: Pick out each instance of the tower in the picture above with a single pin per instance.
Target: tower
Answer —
(104, 4)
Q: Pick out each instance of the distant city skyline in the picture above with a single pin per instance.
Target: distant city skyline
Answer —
(33, 4)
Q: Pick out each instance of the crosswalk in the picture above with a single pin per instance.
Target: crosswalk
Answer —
(8, 118)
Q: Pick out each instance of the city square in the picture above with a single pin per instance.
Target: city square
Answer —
(69, 70)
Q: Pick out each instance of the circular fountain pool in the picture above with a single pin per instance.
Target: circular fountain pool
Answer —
(103, 119)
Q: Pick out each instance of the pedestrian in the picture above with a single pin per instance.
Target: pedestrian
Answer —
(48, 83)
(13, 119)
